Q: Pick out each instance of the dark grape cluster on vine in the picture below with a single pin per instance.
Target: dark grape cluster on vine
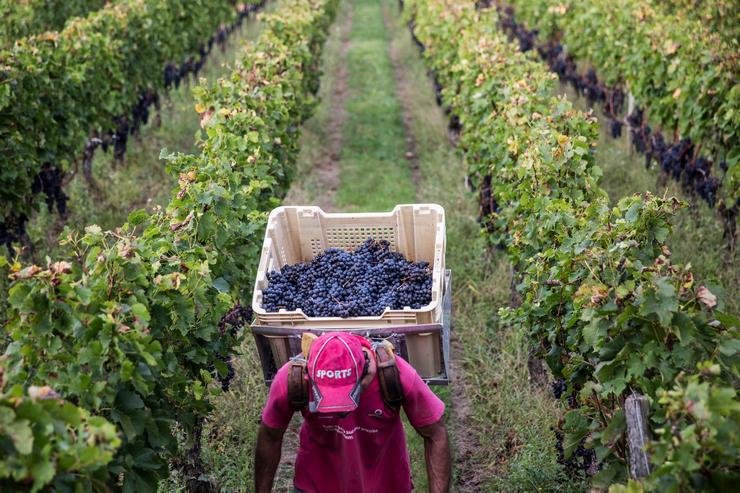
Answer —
(140, 112)
(615, 101)
(592, 88)
(558, 387)
(615, 128)
(226, 380)
(565, 66)
(236, 318)
(527, 39)
(487, 204)
(120, 138)
(337, 283)
(656, 148)
(677, 160)
(581, 462)
(483, 4)
(454, 124)
(50, 181)
(573, 400)
(11, 229)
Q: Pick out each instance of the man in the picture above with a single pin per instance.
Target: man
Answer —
(351, 441)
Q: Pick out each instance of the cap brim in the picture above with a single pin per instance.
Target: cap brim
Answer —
(336, 399)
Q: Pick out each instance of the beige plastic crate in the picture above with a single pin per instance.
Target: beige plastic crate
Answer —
(299, 233)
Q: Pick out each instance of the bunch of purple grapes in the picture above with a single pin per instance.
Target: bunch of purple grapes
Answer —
(582, 461)
(337, 283)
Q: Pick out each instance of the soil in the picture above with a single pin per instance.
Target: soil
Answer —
(286, 468)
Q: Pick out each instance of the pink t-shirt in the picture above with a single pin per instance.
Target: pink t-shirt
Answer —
(364, 452)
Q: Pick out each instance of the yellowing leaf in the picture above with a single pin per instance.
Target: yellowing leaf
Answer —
(61, 267)
(670, 47)
(26, 273)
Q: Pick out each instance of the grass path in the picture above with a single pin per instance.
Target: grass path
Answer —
(317, 179)
(374, 174)
(395, 149)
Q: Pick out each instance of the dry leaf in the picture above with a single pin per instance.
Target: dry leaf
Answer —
(670, 47)
(706, 297)
(44, 392)
(26, 273)
(61, 267)
(205, 117)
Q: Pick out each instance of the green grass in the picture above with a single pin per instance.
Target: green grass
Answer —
(697, 231)
(141, 181)
(375, 175)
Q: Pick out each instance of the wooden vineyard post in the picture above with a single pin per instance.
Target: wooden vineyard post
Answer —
(636, 409)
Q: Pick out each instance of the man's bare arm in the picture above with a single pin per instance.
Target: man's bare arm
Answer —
(267, 457)
(437, 455)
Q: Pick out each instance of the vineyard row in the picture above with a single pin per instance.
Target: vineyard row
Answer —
(96, 77)
(115, 348)
(676, 157)
(682, 74)
(601, 300)
(29, 17)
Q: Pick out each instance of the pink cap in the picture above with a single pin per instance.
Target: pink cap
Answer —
(335, 367)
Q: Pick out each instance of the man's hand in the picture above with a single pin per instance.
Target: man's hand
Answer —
(437, 455)
(267, 457)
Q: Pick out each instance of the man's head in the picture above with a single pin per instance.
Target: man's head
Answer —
(337, 363)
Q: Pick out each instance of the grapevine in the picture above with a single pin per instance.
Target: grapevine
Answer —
(679, 160)
(28, 17)
(598, 288)
(97, 82)
(144, 315)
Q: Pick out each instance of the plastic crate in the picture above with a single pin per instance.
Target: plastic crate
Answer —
(299, 233)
